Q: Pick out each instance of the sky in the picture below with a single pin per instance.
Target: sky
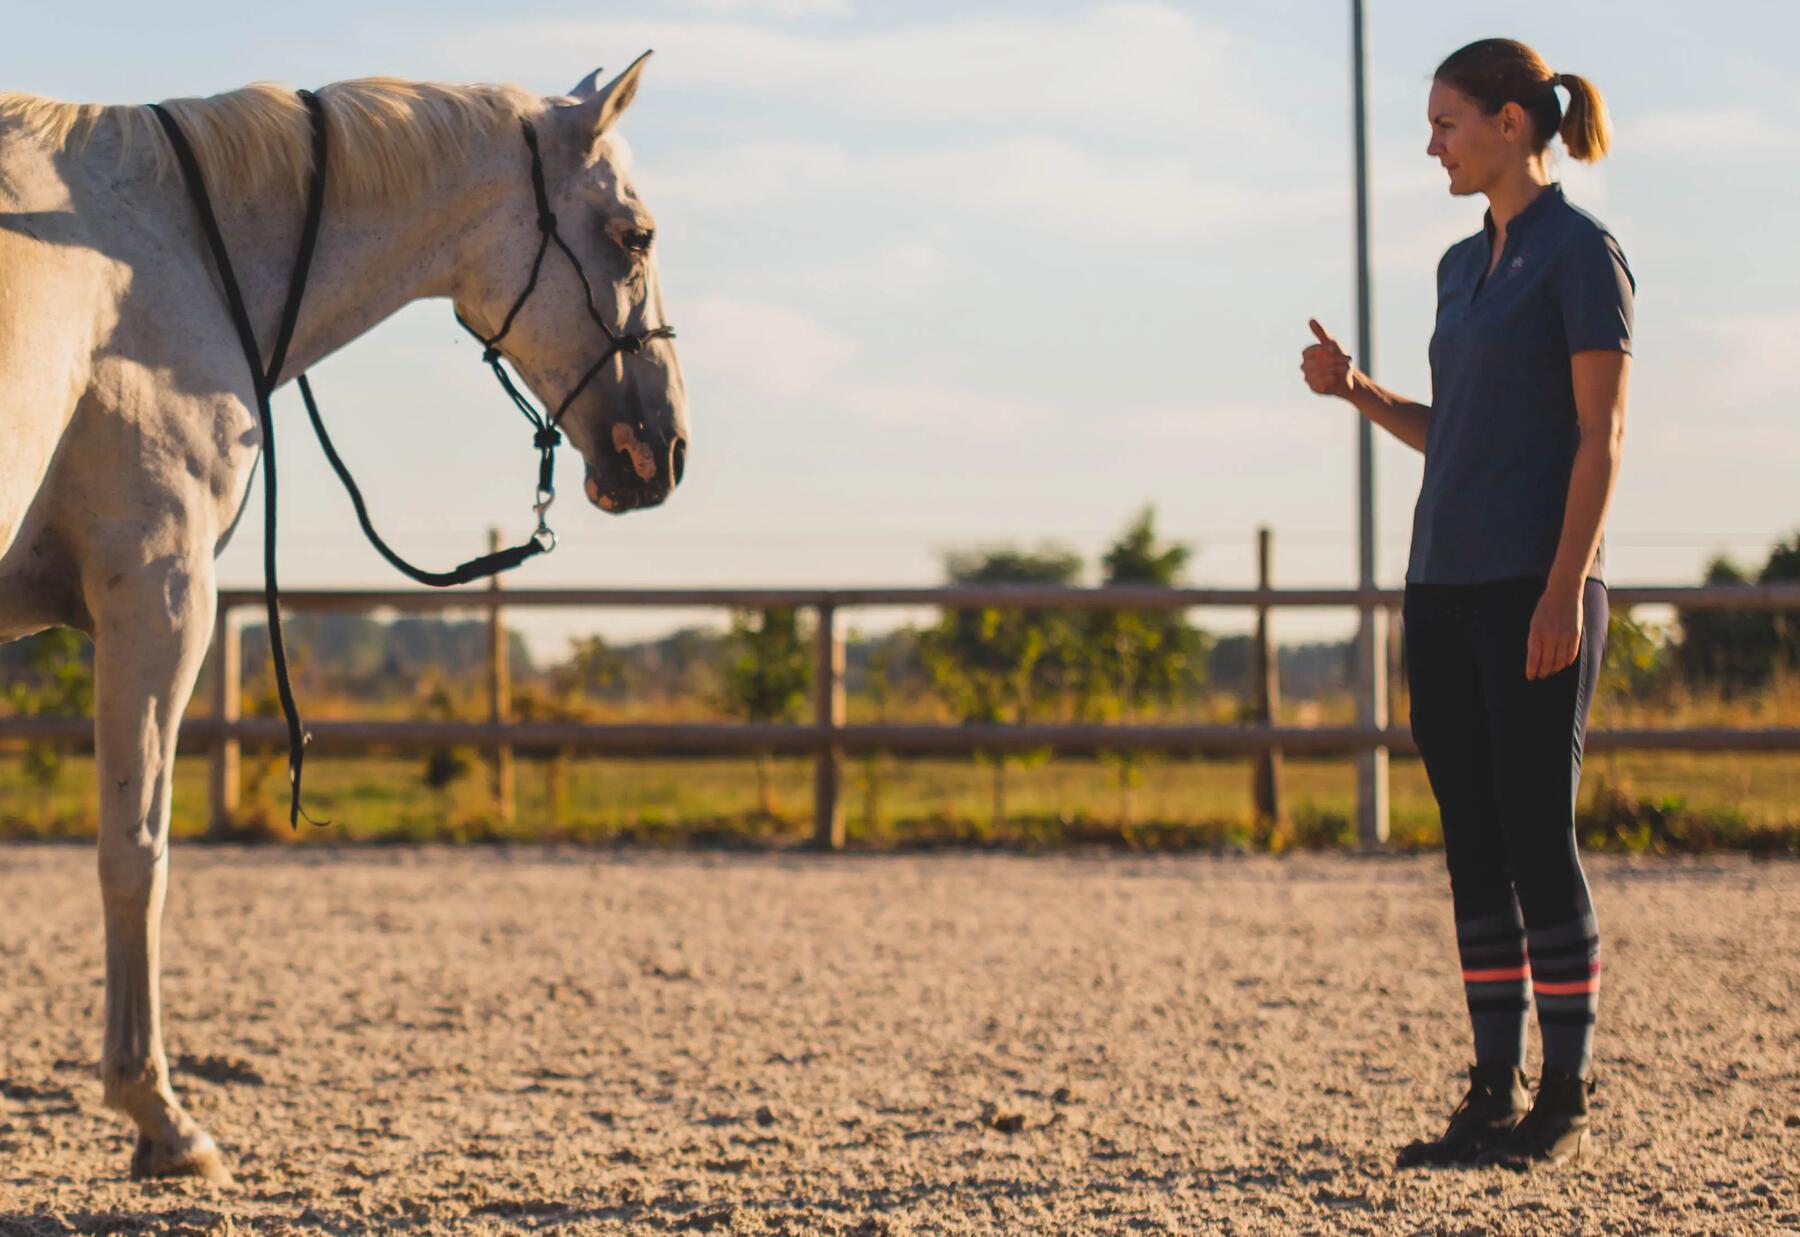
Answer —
(960, 274)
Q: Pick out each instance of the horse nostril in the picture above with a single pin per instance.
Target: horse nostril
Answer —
(678, 459)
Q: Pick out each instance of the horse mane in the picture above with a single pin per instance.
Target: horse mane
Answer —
(390, 139)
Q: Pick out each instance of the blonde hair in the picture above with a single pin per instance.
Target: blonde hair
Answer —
(389, 139)
(1495, 72)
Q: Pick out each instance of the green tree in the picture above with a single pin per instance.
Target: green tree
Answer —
(1783, 567)
(566, 695)
(592, 667)
(444, 766)
(1637, 655)
(767, 675)
(1137, 659)
(998, 666)
(1736, 650)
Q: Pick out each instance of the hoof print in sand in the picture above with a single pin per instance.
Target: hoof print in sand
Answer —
(220, 1069)
(1005, 1122)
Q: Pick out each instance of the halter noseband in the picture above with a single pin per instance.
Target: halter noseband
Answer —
(547, 433)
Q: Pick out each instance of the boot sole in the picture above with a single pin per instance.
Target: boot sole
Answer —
(1583, 1151)
(1469, 1159)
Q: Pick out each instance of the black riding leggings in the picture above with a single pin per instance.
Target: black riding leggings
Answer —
(1503, 754)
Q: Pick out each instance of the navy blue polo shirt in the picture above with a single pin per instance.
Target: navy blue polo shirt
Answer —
(1500, 441)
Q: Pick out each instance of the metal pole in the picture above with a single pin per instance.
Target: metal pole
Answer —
(1371, 646)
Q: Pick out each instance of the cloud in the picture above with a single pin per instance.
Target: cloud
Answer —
(1157, 69)
(1136, 117)
(1721, 131)
(937, 407)
(1751, 443)
(1253, 437)
(773, 8)
(899, 270)
(1042, 182)
(728, 179)
(1049, 183)
(763, 350)
(774, 351)
(1757, 358)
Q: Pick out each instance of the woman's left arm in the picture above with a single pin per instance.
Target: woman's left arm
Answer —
(1600, 378)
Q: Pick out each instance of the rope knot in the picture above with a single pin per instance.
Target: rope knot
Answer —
(489, 355)
(631, 343)
(546, 221)
(546, 439)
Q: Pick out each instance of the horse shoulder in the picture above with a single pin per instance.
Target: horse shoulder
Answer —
(125, 442)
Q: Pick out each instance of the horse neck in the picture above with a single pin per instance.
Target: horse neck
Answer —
(372, 259)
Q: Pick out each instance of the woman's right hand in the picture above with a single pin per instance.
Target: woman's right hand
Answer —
(1326, 365)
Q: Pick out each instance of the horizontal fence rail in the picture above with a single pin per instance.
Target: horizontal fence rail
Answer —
(962, 597)
(828, 739)
(749, 738)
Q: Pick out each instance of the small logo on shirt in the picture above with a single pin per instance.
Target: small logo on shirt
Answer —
(1518, 264)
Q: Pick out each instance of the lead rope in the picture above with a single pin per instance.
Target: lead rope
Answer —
(264, 380)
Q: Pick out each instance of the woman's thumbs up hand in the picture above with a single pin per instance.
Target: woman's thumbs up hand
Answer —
(1325, 365)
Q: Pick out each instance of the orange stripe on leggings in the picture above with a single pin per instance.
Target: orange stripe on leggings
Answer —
(1569, 989)
(1494, 976)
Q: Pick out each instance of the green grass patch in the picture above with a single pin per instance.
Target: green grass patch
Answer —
(1639, 802)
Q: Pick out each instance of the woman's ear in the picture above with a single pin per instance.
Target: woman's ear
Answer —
(1514, 124)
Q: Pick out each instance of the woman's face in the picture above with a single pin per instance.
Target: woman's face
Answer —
(1476, 149)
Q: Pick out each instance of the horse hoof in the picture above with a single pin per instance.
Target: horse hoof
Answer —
(195, 1156)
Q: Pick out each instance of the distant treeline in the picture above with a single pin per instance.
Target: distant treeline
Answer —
(361, 655)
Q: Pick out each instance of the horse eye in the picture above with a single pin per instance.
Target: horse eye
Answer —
(638, 240)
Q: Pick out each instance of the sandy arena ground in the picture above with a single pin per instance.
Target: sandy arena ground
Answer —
(475, 1041)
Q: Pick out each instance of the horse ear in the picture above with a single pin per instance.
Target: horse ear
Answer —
(599, 109)
(587, 87)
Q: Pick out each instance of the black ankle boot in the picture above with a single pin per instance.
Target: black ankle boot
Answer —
(1495, 1103)
(1555, 1131)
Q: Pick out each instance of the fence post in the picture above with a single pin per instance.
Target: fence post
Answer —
(1372, 710)
(227, 693)
(1266, 684)
(828, 711)
(499, 696)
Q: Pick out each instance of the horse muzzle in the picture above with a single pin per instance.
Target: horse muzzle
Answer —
(640, 471)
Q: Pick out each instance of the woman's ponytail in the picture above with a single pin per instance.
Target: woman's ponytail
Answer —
(1586, 130)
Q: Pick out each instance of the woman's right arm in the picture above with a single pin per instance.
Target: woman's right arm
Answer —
(1329, 372)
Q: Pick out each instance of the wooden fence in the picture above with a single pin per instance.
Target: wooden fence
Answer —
(828, 738)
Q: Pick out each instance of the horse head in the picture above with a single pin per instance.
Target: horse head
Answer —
(570, 296)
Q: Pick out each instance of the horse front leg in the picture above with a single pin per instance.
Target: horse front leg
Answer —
(149, 639)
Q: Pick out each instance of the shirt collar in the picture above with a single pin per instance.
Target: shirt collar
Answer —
(1540, 205)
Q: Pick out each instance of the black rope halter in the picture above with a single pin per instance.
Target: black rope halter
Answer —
(546, 425)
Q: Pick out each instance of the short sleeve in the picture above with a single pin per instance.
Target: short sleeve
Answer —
(1595, 287)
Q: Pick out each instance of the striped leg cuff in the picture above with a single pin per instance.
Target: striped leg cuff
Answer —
(1497, 983)
(1565, 968)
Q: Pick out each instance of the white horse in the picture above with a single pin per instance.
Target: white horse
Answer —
(127, 425)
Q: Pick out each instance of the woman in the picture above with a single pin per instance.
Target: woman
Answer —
(1505, 609)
